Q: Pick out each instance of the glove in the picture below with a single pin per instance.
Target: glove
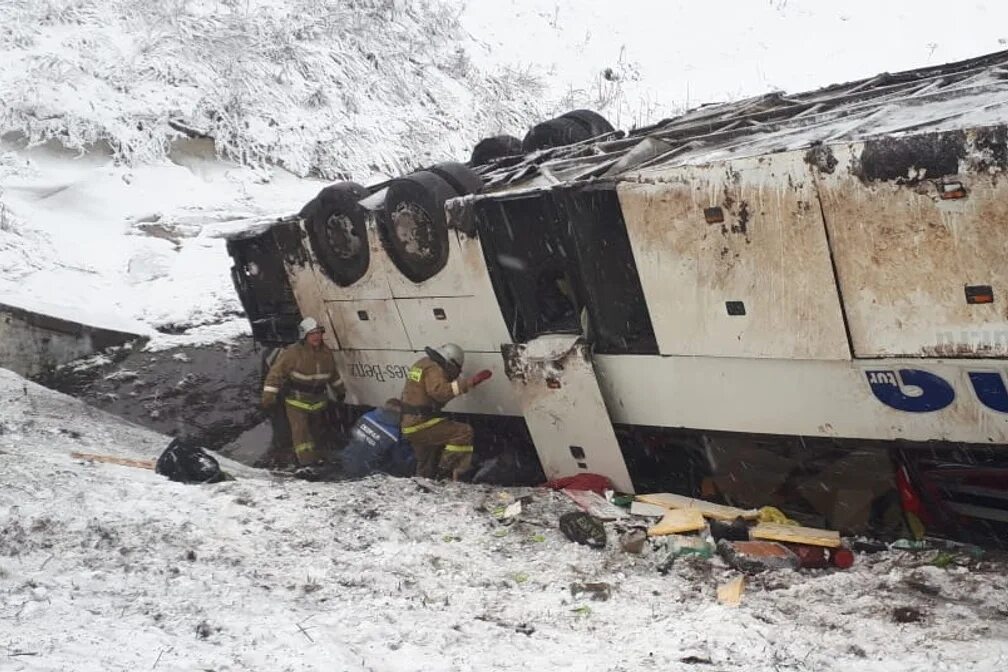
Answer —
(480, 377)
(336, 393)
(268, 400)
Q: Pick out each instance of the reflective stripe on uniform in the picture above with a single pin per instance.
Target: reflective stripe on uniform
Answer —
(457, 448)
(415, 374)
(306, 447)
(421, 425)
(305, 405)
(310, 376)
(270, 388)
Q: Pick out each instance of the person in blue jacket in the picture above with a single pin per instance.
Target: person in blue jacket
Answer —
(377, 445)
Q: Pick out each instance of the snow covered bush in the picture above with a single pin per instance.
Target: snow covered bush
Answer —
(331, 88)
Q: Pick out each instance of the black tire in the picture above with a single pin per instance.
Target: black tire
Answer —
(414, 227)
(462, 179)
(336, 227)
(495, 147)
(593, 122)
(554, 133)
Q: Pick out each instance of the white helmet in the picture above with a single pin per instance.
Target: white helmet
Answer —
(452, 355)
(307, 326)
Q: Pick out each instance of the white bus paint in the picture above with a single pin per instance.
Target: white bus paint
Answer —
(769, 253)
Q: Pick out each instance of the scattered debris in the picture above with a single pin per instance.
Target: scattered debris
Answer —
(679, 520)
(756, 556)
(599, 592)
(114, 459)
(737, 530)
(907, 615)
(708, 509)
(186, 462)
(696, 660)
(633, 541)
(679, 545)
(771, 514)
(730, 594)
(595, 504)
(504, 506)
(811, 557)
(647, 510)
(591, 482)
(583, 528)
(922, 586)
(796, 534)
(868, 546)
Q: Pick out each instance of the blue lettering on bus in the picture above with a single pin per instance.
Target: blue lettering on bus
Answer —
(990, 390)
(934, 392)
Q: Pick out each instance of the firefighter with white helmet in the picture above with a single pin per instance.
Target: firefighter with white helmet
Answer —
(443, 447)
(306, 372)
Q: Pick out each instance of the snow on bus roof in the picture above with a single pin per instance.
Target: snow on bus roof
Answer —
(954, 96)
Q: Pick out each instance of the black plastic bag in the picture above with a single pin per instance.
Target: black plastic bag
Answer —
(187, 463)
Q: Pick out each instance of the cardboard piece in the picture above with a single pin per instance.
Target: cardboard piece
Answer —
(678, 520)
(795, 534)
(708, 509)
(114, 459)
(730, 594)
(595, 504)
(649, 510)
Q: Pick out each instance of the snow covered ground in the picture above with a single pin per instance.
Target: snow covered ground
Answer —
(106, 567)
(132, 247)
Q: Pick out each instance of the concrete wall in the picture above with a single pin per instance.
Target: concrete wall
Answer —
(31, 342)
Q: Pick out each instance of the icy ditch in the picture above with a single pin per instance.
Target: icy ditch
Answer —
(112, 567)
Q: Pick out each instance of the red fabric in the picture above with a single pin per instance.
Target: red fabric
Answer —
(594, 482)
(480, 377)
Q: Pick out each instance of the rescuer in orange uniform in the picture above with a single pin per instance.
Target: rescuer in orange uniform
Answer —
(443, 447)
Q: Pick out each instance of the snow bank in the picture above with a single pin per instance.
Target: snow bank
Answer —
(112, 567)
(135, 248)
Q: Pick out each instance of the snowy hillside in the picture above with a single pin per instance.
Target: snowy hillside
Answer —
(329, 88)
(107, 567)
(110, 212)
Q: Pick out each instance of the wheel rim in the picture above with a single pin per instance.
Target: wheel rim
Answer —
(342, 237)
(414, 231)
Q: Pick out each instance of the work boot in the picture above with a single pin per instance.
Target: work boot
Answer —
(308, 472)
(318, 471)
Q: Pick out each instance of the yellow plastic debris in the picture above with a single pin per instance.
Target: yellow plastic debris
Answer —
(771, 514)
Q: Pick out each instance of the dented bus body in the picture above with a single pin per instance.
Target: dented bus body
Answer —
(764, 282)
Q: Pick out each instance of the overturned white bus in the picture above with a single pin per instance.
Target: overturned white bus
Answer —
(790, 298)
